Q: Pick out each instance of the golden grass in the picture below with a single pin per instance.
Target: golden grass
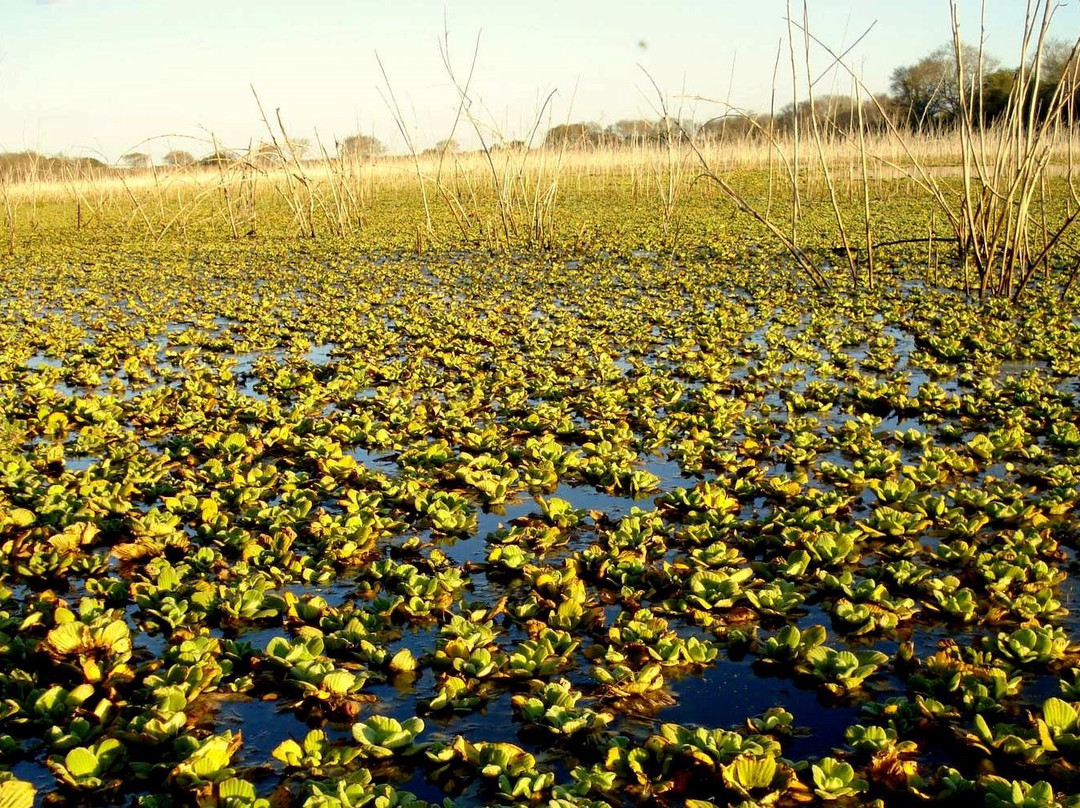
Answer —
(584, 166)
(506, 200)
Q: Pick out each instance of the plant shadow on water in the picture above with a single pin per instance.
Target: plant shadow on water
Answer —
(493, 518)
(728, 692)
(264, 724)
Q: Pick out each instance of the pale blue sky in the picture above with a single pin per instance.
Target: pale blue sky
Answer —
(100, 76)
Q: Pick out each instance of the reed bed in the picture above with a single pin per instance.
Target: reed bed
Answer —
(585, 165)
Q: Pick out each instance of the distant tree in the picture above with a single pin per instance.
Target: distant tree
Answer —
(264, 155)
(219, 157)
(1056, 57)
(835, 114)
(997, 90)
(927, 93)
(136, 160)
(360, 147)
(26, 163)
(1060, 63)
(631, 130)
(1059, 66)
(18, 163)
(574, 134)
(178, 158)
(449, 144)
(638, 130)
(734, 125)
(675, 129)
(299, 147)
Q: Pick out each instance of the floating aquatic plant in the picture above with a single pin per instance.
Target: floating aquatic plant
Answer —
(570, 503)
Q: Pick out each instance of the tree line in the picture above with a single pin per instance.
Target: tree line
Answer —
(265, 155)
(923, 96)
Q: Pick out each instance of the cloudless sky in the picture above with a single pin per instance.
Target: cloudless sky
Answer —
(103, 76)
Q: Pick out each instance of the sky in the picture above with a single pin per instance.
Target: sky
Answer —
(105, 77)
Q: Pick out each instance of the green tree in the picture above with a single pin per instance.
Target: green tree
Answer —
(220, 157)
(927, 93)
(574, 134)
(997, 89)
(1060, 65)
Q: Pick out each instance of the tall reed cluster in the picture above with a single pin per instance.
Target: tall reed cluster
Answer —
(994, 202)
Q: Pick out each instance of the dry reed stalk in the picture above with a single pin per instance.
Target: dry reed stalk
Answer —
(794, 133)
(826, 173)
(10, 214)
(865, 189)
(302, 212)
(399, 121)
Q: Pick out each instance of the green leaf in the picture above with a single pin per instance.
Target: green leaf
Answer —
(403, 661)
(1059, 715)
(66, 638)
(751, 773)
(17, 794)
(21, 517)
(211, 762)
(288, 752)
(237, 788)
(81, 762)
(338, 682)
